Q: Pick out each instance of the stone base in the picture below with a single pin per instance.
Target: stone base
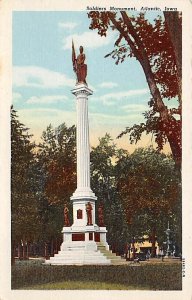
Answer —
(80, 247)
(79, 253)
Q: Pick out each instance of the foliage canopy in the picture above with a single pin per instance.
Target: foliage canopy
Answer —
(158, 51)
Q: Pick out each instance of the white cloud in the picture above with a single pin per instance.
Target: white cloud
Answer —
(55, 115)
(46, 99)
(109, 85)
(135, 107)
(68, 25)
(89, 39)
(33, 76)
(16, 97)
(101, 118)
(112, 98)
(125, 94)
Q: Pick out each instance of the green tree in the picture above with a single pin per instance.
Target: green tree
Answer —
(57, 166)
(25, 220)
(149, 187)
(158, 50)
(103, 182)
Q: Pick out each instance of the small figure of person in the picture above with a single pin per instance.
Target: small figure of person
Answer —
(162, 253)
(66, 216)
(100, 215)
(89, 213)
(126, 250)
(174, 251)
(132, 255)
(148, 255)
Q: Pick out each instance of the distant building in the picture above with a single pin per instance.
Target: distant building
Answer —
(145, 246)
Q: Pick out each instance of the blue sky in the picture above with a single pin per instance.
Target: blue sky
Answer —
(43, 76)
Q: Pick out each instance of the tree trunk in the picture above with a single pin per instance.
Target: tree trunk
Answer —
(45, 250)
(133, 247)
(19, 250)
(173, 21)
(56, 246)
(153, 241)
(52, 247)
(27, 250)
(170, 125)
(24, 250)
(174, 138)
(141, 55)
(139, 51)
(13, 252)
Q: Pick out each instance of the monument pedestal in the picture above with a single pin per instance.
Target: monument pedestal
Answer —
(80, 240)
(80, 246)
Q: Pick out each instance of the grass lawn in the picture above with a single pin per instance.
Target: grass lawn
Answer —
(32, 274)
(81, 285)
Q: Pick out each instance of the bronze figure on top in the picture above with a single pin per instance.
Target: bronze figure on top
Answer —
(79, 67)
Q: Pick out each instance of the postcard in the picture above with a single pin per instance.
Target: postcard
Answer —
(95, 149)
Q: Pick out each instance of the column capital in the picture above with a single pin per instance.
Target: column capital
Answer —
(81, 89)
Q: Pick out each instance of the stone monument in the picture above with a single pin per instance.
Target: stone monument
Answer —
(83, 239)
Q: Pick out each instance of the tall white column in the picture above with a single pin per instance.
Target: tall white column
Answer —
(83, 190)
(83, 156)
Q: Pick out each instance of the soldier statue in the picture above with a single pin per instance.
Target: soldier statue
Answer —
(66, 216)
(89, 213)
(79, 67)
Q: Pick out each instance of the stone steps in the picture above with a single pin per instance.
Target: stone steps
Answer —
(75, 259)
(68, 254)
(115, 260)
(79, 256)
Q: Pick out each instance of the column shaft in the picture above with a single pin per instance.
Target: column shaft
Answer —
(83, 150)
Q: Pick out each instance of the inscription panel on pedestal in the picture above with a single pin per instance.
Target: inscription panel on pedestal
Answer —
(78, 237)
(79, 214)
